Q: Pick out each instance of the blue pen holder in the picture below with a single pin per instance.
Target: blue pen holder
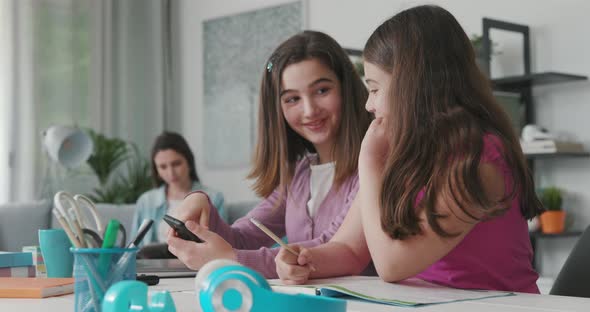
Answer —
(95, 270)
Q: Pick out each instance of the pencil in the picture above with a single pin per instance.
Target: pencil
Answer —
(275, 238)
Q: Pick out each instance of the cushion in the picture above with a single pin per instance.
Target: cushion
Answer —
(20, 224)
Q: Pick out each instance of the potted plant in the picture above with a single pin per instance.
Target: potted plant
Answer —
(122, 172)
(480, 58)
(553, 219)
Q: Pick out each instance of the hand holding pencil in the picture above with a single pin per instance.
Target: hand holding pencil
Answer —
(293, 262)
(294, 269)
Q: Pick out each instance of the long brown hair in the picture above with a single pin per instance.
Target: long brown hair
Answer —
(278, 146)
(173, 141)
(441, 107)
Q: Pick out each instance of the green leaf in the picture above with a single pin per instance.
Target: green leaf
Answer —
(107, 156)
(131, 180)
(551, 198)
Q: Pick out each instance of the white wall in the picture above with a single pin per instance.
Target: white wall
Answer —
(558, 44)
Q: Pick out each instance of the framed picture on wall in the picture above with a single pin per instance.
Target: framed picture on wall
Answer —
(236, 49)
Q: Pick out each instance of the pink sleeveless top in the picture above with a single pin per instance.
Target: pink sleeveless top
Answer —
(497, 253)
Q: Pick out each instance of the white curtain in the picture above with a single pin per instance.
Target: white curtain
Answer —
(103, 64)
(6, 94)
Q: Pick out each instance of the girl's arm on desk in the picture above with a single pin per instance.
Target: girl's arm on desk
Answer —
(394, 259)
(348, 243)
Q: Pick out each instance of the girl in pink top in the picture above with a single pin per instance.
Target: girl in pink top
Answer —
(444, 187)
(311, 125)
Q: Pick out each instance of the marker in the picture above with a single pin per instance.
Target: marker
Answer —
(110, 237)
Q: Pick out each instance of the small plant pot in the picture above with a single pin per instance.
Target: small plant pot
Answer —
(552, 222)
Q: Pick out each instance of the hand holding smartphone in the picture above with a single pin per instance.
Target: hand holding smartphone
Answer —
(181, 229)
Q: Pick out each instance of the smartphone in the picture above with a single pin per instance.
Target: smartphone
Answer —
(181, 229)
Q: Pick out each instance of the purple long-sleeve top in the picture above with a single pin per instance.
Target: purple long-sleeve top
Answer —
(289, 217)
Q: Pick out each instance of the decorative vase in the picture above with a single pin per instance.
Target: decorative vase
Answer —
(552, 222)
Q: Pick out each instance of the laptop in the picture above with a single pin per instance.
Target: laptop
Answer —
(164, 268)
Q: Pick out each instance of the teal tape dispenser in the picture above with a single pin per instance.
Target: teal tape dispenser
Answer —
(128, 296)
(224, 285)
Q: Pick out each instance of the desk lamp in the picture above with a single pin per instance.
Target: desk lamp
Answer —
(67, 146)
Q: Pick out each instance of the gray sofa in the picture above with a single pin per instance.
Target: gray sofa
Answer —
(20, 222)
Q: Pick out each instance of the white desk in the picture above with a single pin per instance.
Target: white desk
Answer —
(184, 298)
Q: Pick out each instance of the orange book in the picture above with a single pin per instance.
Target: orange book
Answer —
(35, 287)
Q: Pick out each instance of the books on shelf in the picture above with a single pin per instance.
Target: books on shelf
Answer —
(408, 293)
(551, 146)
(14, 259)
(35, 287)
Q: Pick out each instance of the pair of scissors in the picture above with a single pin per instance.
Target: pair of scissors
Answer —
(88, 234)
(109, 239)
(72, 213)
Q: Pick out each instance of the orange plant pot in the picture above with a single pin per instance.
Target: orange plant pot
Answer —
(552, 222)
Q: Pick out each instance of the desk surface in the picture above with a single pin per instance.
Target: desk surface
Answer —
(184, 298)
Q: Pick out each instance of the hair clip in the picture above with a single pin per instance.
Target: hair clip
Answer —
(269, 66)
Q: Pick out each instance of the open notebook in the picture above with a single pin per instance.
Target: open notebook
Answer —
(411, 292)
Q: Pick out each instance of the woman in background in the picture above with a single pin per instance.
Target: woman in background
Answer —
(174, 175)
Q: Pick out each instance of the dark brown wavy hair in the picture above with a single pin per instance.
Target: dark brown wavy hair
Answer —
(278, 146)
(173, 141)
(441, 108)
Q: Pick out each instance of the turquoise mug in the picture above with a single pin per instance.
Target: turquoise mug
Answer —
(55, 248)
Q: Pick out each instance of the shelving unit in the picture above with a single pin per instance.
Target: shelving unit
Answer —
(538, 235)
(518, 82)
(523, 84)
(552, 155)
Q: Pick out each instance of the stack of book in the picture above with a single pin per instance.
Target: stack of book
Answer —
(16, 264)
(551, 147)
(38, 261)
(35, 287)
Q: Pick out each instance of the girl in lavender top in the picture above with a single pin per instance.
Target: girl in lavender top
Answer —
(311, 124)
(445, 190)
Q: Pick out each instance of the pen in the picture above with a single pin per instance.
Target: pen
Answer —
(122, 263)
(143, 229)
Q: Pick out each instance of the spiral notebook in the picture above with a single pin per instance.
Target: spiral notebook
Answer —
(408, 293)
